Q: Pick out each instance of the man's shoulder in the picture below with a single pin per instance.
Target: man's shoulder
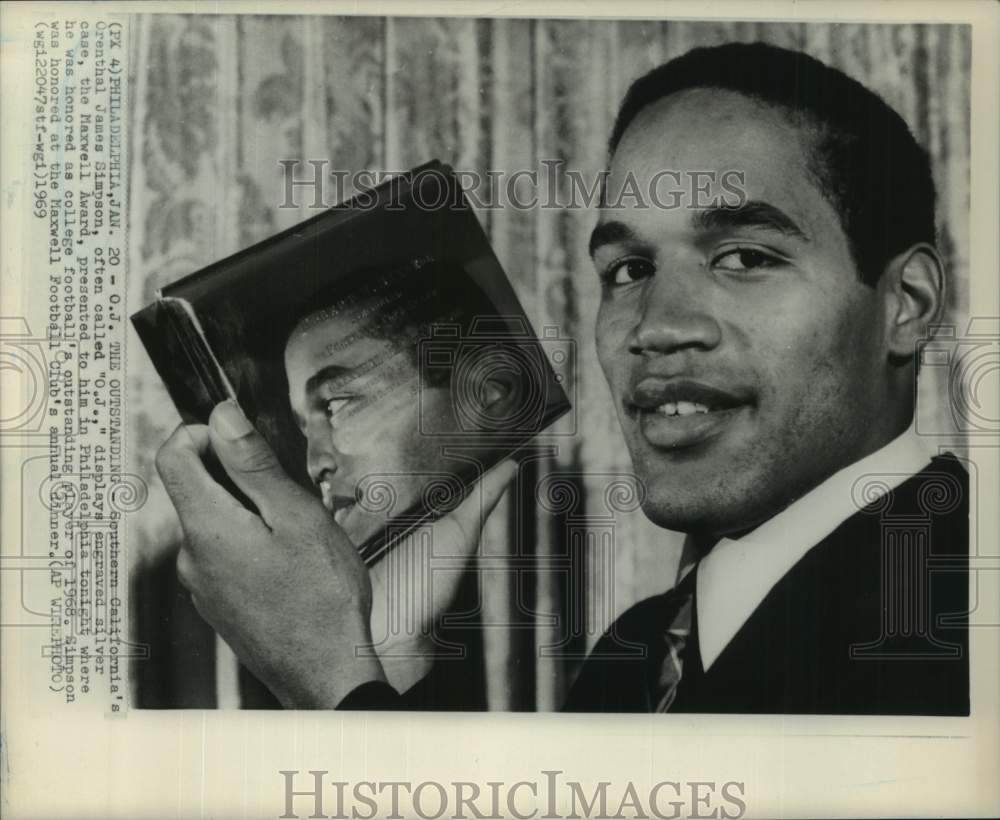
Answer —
(872, 620)
(830, 638)
(614, 676)
(939, 491)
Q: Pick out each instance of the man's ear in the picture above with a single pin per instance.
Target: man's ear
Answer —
(497, 399)
(915, 291)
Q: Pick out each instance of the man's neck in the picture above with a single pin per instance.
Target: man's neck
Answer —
(738, 573)
(698, 544)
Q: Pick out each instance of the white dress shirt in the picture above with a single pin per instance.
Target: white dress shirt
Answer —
(736, 576)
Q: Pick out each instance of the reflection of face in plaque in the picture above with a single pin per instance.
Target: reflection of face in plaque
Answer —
(355, 389)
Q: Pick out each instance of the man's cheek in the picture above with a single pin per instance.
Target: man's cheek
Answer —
(790, 350)
(612, 357)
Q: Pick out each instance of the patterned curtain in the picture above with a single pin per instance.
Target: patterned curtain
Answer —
(217, 101)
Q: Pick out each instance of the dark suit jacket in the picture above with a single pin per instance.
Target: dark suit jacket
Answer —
(873, 620)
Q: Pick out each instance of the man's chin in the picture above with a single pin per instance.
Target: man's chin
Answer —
(697, 501)
(720, 509)
(673, 516)
(361, 524)
(687, 519)
(355, 524)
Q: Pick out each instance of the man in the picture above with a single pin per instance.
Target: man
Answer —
(761, 359)
(371, 410)
(792, 322)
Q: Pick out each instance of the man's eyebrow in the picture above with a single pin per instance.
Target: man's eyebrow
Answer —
(609, 233)
(751, 214)
(331, 372)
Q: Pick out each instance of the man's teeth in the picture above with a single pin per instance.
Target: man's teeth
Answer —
(324, 488)
(681, 408)
(329, 501)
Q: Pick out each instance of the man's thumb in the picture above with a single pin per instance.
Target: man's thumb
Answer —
(472, 513)
(248, 459)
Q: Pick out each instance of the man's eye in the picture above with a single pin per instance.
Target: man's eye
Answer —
(335, 406)
(626, 271)
(743, 259)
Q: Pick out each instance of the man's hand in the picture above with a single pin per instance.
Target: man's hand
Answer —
(417, 581)
(286, 588)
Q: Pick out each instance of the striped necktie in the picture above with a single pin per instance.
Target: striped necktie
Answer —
(678, 611)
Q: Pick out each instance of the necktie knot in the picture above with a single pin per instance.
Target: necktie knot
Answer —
(678, 610)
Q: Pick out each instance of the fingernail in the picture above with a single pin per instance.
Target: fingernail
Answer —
(229, 422)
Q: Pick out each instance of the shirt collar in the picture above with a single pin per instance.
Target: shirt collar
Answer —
(738, 574)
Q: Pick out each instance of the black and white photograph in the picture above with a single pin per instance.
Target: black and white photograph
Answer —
(508, 412)
(747, 247)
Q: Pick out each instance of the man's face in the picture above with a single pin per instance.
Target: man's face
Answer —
(355, 398)
(746, 359)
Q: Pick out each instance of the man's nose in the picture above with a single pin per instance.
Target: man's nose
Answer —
(321, 455)
(676, 314)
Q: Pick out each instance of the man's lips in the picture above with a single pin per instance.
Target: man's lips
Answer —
(340, 504)
(676, 413)
(653, 392)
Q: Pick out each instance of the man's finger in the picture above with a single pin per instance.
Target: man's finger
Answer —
(186, 569)
(469, 517)
(252, 464)
(402, 575)
(197, 497)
